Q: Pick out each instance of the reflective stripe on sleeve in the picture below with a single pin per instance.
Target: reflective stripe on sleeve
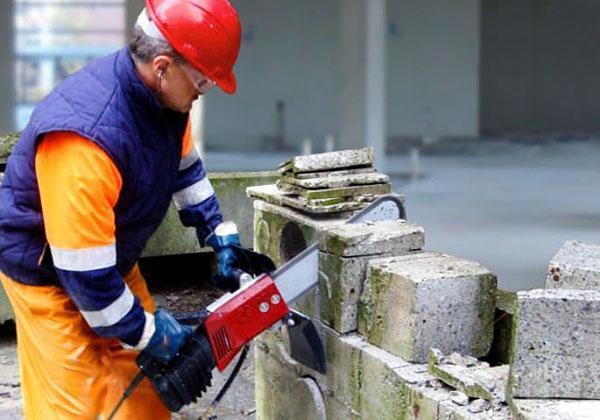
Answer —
(84, 259)
(189, 159)
(113, 313)
(194, 194)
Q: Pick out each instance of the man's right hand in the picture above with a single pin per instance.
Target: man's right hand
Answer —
(168, 338)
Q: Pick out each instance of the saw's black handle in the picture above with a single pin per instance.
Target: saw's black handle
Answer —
(186, 377)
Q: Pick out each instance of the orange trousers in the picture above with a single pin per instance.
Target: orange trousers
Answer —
(68, 371)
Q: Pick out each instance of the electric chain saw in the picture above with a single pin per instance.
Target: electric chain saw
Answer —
(232, 321)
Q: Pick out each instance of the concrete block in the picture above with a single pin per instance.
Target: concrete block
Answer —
(372, 238)
(328, 161)
(555, 346)
(532, 409)
(271, 194)
(477, 380)
(341, 278)
(282, 233)
(575, 266)
(413, 302)
(344, 193)
(336, 180)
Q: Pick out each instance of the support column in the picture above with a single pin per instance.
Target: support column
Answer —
(362, 87)
(7, 71)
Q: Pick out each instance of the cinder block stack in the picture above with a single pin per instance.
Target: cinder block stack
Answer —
(330, 179)
(381, 302)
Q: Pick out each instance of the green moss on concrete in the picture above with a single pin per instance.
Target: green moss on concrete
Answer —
(7, 142)
(506, 301)
(330, 289)
(376, 189)
(511, 356)
(372, 320)
(5, 308)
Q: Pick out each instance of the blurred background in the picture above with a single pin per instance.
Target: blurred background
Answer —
(484, 112)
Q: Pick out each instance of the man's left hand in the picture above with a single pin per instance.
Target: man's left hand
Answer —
(226, 242)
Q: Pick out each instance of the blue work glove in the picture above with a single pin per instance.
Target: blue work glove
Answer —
(168, 338)
(226, 242)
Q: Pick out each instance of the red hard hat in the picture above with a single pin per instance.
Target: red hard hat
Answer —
(207, 33)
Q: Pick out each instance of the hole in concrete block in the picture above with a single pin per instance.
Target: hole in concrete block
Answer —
(292, 241)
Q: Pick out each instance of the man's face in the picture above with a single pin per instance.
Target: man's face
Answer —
(181, 85)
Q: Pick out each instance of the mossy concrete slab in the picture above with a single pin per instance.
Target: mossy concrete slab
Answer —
(336, 180)
(372, 238)
(172, 238)
(347, 193)
(328, 161)
(414, 302)
(575, 266)
(271, 194)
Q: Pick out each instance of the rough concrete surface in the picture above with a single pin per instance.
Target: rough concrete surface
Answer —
(414, 302)
(526, 409)
(555, 346)
(327, 161)
(10, 390)
(372, 238)
(576, 265)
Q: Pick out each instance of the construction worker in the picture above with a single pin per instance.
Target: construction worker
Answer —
(90, 180)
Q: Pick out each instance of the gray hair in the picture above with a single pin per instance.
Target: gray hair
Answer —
(145, 48)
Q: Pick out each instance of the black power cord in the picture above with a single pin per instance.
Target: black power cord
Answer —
(215, 402)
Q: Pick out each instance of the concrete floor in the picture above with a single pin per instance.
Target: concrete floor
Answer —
(507, 205)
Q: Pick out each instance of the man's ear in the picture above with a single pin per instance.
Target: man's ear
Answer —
(160, 65)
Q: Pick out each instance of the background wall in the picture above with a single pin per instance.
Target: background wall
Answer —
(288, 54)
(540, 66)
(433, 68)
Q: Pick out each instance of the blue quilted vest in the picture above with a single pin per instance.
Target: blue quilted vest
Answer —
(107, 103)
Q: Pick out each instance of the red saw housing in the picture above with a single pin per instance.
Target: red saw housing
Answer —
(246, 314)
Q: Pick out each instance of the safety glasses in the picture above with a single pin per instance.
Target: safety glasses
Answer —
(202, 83)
